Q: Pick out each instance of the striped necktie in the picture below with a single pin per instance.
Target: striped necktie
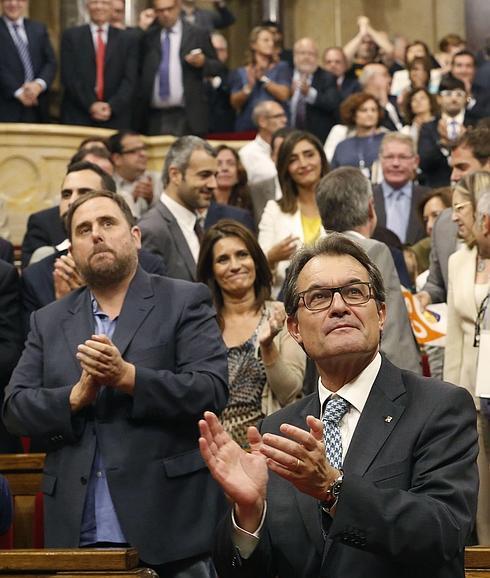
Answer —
(25, 57)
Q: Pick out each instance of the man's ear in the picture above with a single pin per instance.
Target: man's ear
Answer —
(174, 175)
(136, 234)
(293, 328)
(382, 315)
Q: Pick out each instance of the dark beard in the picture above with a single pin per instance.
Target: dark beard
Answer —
(112, 274)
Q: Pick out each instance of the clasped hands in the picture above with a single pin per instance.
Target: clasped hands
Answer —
(30, 92)
(102, 364)
(298, 456)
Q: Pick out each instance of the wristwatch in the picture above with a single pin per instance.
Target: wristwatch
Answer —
(264, 79)
(333, 493)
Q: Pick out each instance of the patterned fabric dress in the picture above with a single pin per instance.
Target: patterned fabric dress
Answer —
(246, 379)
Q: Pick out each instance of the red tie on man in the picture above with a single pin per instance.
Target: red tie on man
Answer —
(99, 62)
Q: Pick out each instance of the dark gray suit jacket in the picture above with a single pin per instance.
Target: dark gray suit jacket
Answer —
(165, 500)
(408, 500)
(444, 240)
(212, 19)
(261, 193)
(415, 229)
(196, 104)
(12, 75)
(398, 341)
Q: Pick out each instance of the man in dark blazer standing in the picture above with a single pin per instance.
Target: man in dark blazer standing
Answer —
(27, 66)
(384, 484)
(315, 98)
(98, 71)
(220, 17)
(175, 58)
(174, 226)
(397, 198)
(114, 376)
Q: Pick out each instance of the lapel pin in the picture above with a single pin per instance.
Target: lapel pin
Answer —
(388, 418)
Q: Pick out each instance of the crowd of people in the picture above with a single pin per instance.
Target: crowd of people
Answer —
(253, 282)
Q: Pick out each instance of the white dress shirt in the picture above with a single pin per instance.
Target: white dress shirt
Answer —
(356, 393)
(256, 158)
(186, 220)
(176, 97)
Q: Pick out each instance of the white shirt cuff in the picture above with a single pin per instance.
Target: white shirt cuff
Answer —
(311, 96)
(246, 542)
(42, 83)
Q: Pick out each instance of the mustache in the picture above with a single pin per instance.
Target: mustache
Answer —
(101, 248)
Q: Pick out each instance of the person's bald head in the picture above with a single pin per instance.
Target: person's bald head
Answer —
(305, 55)
(269, 116)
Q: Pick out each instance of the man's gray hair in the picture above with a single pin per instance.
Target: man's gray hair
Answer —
(180, 152)
(343, 199)
(398, 137)
(261, 109)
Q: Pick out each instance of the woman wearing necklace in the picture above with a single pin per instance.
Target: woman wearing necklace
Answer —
(468, 285)
(265, 365)
(294, 219)
(362, 111)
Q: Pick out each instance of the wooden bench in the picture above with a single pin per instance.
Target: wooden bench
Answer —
(477, 562)
(24, 474)
(72, 563)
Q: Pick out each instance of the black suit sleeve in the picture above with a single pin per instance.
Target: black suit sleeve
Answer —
(49, 65)
(10, 326)
(222, 17)
(73, 81)
(128, 45)
(432, 160)
(328, 97)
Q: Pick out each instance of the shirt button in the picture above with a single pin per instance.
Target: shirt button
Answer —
(83, 480)
(99, 474)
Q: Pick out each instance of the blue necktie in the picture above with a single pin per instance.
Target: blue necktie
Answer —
(335, 410)
(25, 57)
(164, 90)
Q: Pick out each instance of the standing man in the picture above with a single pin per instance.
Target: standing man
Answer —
(315, 98)
(335, 62)
(268, 116)
(209, 20)
(392, 491)
(221, 113)
(173, 228)
(27, 67)
(346, 205)
(375, 79)
(98, 71)
(175, 58)
(397, 198)
(120, 409)
(135, 183)
(438, 136)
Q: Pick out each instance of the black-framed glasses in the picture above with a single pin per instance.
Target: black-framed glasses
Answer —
(479, 320)
(320, 298)
(139, 149)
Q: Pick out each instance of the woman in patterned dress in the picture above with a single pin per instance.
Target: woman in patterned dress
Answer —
(265, 365)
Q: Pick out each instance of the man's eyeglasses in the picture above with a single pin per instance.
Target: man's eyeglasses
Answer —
(320, 298)
(456, 92)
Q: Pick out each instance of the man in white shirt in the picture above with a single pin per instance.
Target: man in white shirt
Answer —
(385, 484)
(135, 183)
(268, 116)
(171, 227)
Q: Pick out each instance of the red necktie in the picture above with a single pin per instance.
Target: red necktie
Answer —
(99, 62)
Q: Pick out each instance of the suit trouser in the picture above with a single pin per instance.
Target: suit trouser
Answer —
(483, 511)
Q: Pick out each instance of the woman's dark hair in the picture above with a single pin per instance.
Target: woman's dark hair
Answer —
(240, 193)
(425, 63)
(350, 105)
(289, 200)
(443, 193)
(417, 43)
(263, 276)
(407, 111)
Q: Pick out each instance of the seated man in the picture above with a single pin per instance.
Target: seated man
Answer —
(386, 486)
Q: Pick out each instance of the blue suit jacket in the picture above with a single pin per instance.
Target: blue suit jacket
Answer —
(12, 74)
(165, 500)
(408, 499)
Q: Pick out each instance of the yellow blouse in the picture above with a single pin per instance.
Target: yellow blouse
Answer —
(311, 228)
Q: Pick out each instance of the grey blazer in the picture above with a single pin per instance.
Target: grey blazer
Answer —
(398, 341)
(162, 235)
(444, 241)
(165, 500)
(261, 193)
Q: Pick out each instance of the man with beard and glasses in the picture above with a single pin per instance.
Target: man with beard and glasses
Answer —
(114, 376)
